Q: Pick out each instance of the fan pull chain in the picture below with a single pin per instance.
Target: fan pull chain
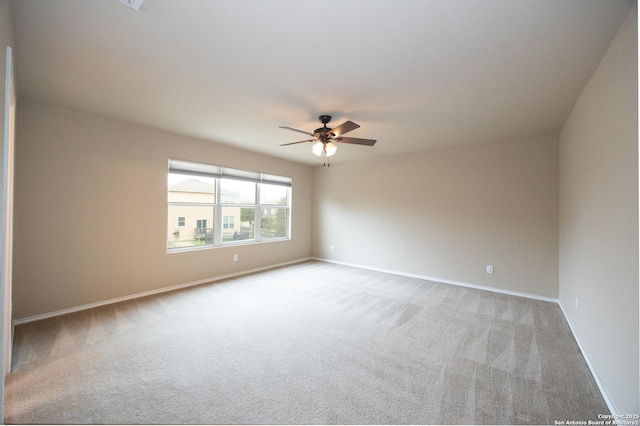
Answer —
(326, 162)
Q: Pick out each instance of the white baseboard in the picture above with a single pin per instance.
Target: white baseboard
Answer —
(151, 293)
(442, 280)
(594, 372)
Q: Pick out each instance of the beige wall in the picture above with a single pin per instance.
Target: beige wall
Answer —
(91, 210)
(599, 219)
(447, 214)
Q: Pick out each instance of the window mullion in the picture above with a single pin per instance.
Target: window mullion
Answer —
(258, 214)
(288, 211)
(217, 217)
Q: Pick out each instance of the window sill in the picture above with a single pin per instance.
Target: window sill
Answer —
(225, 244)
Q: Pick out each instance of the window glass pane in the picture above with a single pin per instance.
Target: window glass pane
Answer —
(238, 191)
(273, 222)
(243, 220)
(191, 189)
(197, 229)
(273, 194)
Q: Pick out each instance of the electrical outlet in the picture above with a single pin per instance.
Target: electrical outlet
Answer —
(331, 248)
(489, 269)
(576, 303)
(235, 257)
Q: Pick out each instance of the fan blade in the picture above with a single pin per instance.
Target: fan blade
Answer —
(293, 143)
(345, 127)
(296, 130)
(357, 141)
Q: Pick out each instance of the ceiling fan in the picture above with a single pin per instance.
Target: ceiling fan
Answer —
(324, 137)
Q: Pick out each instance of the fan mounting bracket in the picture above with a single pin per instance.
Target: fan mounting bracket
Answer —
(324, 119)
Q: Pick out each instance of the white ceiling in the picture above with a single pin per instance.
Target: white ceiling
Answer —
(415, 74)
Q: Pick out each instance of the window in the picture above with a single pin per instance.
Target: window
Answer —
(225, 206)
(274, 210)
(239, 201)
(191, 202)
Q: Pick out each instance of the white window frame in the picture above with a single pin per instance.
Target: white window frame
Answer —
(219, 173)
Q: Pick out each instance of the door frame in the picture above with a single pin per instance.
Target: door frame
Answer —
(6, 227)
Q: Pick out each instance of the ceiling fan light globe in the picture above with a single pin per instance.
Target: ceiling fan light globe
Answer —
(317, 148)
(331, 149)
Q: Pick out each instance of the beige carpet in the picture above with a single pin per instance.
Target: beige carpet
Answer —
(313, 343)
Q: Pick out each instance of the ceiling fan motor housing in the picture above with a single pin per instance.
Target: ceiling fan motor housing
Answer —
(323, 134)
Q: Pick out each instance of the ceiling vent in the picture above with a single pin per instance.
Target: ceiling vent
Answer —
(134, 4)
